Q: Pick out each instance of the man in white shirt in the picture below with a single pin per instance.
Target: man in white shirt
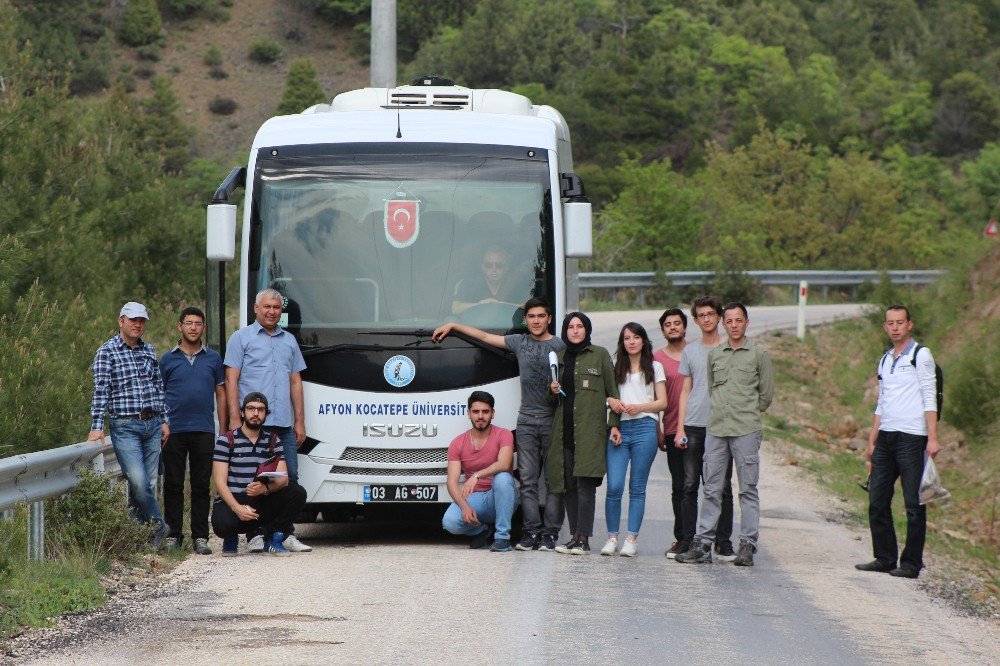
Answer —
(905, 427)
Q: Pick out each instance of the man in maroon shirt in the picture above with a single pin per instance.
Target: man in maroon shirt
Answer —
(483, 455)
(673, 325)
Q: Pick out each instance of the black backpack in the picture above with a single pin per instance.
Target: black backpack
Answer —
(938, 378)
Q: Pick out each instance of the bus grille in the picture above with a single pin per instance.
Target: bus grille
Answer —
(375, 471)
(395, 456)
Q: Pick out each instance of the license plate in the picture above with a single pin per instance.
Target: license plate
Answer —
(398, 493)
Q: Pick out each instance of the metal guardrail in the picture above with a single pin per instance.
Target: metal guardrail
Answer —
(35, 477)
(822, 279)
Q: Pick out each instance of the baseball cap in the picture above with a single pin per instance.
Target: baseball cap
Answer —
(134, 310)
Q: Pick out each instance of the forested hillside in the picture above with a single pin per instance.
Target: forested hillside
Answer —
(758, 134)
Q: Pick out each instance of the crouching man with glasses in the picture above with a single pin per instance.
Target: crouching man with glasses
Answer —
(248, 501)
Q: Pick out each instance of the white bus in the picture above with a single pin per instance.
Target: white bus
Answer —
(378, 217)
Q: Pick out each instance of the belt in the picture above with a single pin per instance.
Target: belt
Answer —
(144, 415)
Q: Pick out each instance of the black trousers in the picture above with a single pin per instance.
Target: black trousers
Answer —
(693, 464)
(675, 463)
(580, 497)
(897, 455)
(277, 512)
(179, 449)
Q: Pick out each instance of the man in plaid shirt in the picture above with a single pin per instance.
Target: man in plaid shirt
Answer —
(129, 387)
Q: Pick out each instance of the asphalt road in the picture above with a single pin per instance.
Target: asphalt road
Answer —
(404, 591)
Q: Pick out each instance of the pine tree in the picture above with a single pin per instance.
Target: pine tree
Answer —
(302, 88)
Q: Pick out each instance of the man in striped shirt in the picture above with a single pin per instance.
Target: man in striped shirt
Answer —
(129, 388)
(247, 502)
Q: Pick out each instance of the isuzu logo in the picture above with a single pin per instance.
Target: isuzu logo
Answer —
(398, 430)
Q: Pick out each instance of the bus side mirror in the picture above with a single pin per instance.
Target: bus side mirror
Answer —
(577, 228)
(220, 236)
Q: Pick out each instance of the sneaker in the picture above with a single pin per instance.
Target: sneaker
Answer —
(724, 552)
(256, 544)
(547, 544)
(230, 546)
(173, 542)
(675, 548)
(274, 545)
(610, 548)
(745, 557)
(630, 548)
(293, 545)
(580, 548)
(698, 553)
(564, 547)
(501, 546)
(201, 547)
(482, 540)
(529, 541)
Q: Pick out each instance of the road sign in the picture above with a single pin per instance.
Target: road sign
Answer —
(992, 229)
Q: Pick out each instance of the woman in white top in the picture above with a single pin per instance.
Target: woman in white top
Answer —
(642, 385)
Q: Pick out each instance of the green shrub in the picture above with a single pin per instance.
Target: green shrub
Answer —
(212, 57)
(302, 88)
(223, 106)
(265, 51)
(94, 522)
(218, 73)
(150, 53)
(141, 23)
(185, 8)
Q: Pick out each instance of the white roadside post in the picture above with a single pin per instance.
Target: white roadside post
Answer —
(800, 329)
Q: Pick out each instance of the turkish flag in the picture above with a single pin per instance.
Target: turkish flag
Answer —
(402, 222)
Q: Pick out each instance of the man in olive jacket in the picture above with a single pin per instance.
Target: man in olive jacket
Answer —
(579, 438)
(741, 386)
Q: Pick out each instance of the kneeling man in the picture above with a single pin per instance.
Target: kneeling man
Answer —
(247, 503)
(484, 455)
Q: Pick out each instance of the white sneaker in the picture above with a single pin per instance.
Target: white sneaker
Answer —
(293, 545)
(610, 547)
(629, 548)
(256, 544)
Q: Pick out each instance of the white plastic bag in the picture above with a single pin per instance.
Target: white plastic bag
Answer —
(930, 483)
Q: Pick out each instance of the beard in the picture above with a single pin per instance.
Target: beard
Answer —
(251, 425)
(481, 427)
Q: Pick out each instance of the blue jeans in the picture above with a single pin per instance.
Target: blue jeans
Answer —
(289, 450)
(495, 505)
(639, 446)
(137, 447)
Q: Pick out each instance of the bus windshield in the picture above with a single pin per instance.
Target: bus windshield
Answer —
(402, 241)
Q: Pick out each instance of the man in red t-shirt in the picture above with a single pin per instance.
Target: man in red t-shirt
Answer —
(483, 455)
(673, 325)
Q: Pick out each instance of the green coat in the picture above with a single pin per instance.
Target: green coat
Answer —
(595, 383)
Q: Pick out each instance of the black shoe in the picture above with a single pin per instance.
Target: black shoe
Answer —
(500, 546)
(482, 540)
(903, 572)
(529, 541)
(744, 558)
(698, 553)
(876, 565)
(564, 548)
(580, 548)
(676, 548)
(724, 552)
(547, 544)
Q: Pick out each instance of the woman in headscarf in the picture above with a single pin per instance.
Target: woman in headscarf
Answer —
(576, 462)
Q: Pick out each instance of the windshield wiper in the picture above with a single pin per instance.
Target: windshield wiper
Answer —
(313, 351)
(424, 333)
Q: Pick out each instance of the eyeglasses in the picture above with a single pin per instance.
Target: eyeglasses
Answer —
(251, 408)
(193, 324)
(706, 315)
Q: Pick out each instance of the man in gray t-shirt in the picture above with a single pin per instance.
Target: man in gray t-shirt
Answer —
(534, 419)
(692, 419)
